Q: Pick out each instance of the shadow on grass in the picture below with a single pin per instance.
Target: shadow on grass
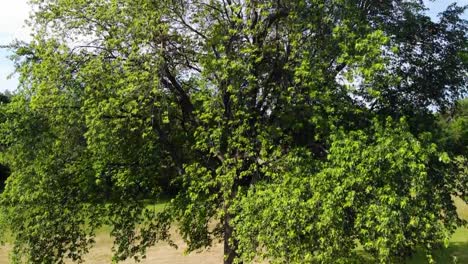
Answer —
(457, 252)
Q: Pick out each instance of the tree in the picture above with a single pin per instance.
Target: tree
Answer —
(454, 136)
(291, 130)
(454, 124)
(4, 171)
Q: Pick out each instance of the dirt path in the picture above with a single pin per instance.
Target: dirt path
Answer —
(4, 254)
(164, 254)
(159, 254)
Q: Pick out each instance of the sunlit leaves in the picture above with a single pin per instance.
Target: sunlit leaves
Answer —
(274, 124)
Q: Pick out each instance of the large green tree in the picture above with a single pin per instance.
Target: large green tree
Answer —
(291, 130)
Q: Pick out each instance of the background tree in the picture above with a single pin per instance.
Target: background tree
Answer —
(4, 170)
(297, 128)
(454, 136)
(454, 124)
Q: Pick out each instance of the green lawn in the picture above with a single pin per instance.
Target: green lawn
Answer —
(457, 252)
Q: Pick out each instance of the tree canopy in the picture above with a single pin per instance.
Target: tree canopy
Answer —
(292, 130)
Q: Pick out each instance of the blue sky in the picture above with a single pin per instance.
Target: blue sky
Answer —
(12, 16)
(14, 12)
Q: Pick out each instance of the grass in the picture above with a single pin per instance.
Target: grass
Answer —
(457, 251)
(155, 207)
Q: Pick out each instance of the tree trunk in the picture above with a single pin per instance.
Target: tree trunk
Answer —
(229, 248)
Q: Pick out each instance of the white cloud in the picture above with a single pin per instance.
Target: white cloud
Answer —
(13, 14)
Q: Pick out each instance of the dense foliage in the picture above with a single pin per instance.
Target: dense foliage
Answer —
(454, 137)
(293, 130)
(454, 124)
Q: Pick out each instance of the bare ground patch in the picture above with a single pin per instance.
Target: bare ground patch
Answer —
(161, 253)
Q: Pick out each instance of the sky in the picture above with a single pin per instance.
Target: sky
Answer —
(13, 14)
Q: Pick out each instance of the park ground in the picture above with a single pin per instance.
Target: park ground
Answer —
(457, 252)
